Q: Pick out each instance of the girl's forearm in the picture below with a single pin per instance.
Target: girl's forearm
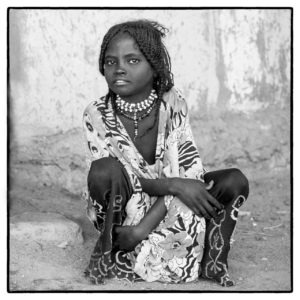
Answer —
(159, 187)
(153, 217)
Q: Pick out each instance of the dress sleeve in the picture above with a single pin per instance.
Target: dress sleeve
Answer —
(94, 136)
(190, 163)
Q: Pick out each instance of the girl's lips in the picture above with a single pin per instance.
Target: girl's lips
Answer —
(120, 82)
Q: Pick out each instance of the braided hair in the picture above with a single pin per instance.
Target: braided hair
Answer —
(148, 36)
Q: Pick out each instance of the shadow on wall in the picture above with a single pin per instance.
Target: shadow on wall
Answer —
(239, 94)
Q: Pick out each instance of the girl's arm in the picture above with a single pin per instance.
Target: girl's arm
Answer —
(129, 236)
(192, 192)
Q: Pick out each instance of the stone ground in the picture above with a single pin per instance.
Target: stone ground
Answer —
(260, 259)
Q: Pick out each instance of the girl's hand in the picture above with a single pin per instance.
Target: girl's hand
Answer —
(194, 194)
(127, 237)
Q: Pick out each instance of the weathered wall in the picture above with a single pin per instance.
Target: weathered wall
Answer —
(232, 65)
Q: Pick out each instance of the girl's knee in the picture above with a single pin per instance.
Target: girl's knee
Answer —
(102, 169)
(237, 182)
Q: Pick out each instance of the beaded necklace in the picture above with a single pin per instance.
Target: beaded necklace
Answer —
(132, 107)
(146, 105)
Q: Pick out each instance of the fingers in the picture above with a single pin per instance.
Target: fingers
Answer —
(213, 201)
(206, 195)
(195, 194)
(208, 204)
(210, 211)
(203, 213)
(204, 209)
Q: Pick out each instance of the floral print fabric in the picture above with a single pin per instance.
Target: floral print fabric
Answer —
(173, 251)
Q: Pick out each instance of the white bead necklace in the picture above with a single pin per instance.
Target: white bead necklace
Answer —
(132, 107)
(146, 105)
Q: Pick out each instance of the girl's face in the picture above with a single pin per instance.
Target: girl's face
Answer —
(126, 69)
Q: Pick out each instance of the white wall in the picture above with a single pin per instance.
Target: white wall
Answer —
(232, 65)
(219, 57)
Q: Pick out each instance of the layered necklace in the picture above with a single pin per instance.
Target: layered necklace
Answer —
(131, 110)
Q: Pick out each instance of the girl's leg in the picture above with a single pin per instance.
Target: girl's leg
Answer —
(230, 188)
(110, 189)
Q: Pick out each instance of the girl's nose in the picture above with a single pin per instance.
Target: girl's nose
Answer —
(120, 69)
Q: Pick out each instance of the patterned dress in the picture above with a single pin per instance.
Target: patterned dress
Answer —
(173, 251)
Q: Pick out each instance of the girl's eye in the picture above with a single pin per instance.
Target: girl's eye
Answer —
(109, 62)
(134, 61)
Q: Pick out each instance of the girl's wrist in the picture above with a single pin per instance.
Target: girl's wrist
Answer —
(173, 186)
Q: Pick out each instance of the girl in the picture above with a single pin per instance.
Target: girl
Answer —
(160, 215)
